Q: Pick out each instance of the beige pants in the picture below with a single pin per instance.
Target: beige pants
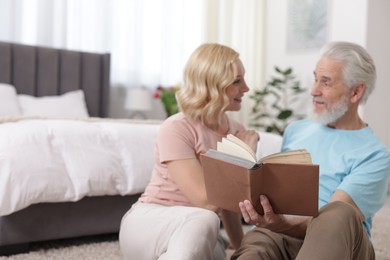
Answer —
(151, 231)
(336, 233)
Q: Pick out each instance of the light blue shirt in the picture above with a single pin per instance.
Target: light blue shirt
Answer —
(354, 161)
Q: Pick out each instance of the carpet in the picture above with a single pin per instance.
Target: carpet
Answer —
(381, 232)
(106, 246)
(102, 247)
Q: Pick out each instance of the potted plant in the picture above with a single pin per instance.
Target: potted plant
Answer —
(272, 110)
(167, 95)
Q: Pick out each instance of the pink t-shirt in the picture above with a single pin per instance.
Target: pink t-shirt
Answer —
(179, 139)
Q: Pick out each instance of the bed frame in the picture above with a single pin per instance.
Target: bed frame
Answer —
(43, 71)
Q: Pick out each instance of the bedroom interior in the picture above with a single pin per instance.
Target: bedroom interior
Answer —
(28, 209)
(36, 70)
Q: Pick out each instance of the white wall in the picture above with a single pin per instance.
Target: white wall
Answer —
(342, 25)
(361, 21)
(376, 111)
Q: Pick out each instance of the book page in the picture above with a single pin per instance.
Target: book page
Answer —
(241, 143)
(230, 158)
(234, 146)
(300, 156)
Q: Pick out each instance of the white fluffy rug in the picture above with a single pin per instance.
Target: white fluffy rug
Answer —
(107, 247)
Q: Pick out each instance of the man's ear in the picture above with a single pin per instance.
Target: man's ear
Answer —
(357, 92)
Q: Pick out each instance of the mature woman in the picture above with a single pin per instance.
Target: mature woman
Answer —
(173, 218)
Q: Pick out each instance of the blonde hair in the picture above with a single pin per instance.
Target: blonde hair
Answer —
(207, 74)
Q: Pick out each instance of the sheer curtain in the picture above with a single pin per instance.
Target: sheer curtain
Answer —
(240, 24)
(149, 40)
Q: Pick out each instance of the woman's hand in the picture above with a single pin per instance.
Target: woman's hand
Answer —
(250, 137)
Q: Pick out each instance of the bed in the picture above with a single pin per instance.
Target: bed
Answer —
(42, 74)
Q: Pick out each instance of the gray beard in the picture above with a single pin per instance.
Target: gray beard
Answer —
(332, 113)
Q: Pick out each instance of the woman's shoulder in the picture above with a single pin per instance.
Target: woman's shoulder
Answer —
(177, 120)
(178, 124)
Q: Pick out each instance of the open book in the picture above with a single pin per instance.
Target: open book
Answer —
(233, 174)
(234, 150)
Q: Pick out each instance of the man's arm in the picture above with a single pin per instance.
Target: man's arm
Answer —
(288, 225)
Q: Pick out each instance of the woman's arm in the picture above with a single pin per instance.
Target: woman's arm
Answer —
(232, 224)
(188, 175)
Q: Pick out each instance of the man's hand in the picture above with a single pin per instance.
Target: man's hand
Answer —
(293, 226)
(269, 220)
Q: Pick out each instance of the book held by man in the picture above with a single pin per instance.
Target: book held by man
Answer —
(232, 174)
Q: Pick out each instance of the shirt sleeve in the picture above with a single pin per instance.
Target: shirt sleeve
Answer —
(176, 141)
(367, 182)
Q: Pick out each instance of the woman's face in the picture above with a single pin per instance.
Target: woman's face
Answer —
(236, 90)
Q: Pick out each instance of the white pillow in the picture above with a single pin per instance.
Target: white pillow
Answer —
(9, 105)
(70, 104)
(269, 143)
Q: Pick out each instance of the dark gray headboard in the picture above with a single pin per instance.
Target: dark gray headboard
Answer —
(43, 71)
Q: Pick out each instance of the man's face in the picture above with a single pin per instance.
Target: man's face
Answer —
(330, 94)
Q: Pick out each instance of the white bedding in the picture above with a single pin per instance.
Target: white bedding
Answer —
(57, 160)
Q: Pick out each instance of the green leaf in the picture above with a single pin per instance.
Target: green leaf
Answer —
(287, 71)
(269, 129)
(273, 105)
(285, 114)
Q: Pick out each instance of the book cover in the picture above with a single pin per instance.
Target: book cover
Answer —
(292, 188)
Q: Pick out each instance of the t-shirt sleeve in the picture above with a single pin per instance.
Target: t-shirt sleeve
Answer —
(367, 182)
(176, 141)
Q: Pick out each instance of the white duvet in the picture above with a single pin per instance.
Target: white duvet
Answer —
(58, 160)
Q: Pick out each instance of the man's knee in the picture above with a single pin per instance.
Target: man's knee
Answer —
(337, 217)
(339, 210)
